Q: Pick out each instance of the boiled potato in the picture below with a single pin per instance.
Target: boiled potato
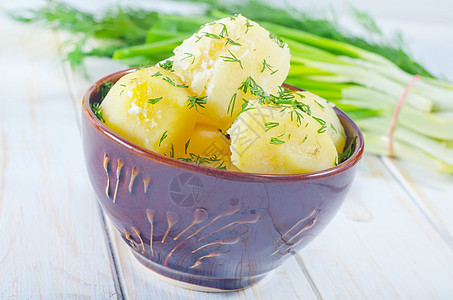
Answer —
(271, 140)
(322, 109)
(221, 56)
(149, 108)
(209, 146)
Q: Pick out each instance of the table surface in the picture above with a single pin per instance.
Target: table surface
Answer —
(392, 239)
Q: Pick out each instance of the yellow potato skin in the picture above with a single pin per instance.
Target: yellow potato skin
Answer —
(160, 127)
(207, 141)
(321, 108)
(216, 68)
(288, 148)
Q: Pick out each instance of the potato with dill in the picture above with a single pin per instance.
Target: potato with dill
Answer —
(221, 55)
(280, 139)
(322, 110)
(207, 146)
(153, 108)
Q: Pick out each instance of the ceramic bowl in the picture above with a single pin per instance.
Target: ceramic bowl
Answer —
(209, 229)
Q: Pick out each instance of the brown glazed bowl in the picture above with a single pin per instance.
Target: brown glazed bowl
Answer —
(206, 228)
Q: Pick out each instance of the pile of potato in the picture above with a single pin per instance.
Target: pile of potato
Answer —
(217, 103)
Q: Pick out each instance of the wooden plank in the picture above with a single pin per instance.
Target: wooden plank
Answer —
(286, 282)
(380, 246)
(431, 191)
(52, 242)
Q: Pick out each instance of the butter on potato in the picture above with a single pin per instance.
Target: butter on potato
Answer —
(217, 59)
(271, 140)
(149, 108)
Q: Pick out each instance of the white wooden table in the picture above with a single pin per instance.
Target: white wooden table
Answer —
(392, 239)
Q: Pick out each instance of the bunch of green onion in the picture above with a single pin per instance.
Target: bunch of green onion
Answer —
(363, 79)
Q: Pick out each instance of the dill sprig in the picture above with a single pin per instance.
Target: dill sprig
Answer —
(203, 160)
(268, 66)
(196, 102)
(154, 100)
(104, 88)
(231, 104)
(348, 151)
(232, 58)
(232, 42)
(276, 141)
(163, 137)
(186, 146)
(322, 123)
(247, 26)
(224, 32)
(277, 40)
(169, 80)
(167, 65)
(98, 111)
(270, 125)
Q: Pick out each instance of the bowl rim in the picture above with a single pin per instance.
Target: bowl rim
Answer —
(88, 114)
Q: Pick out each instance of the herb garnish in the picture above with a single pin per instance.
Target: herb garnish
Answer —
(247, 25)
(97, 111)
(189, 55)
(105, 88)
(348, 151)
(276, 141)
(167, 65)
(156, 74)
(277, 40)
(230, 41)
(268, 66)
(233, 58)
(169, 80)
(322, 123)
(197, 102)
(164, 135)
(154, 100)
(270, 125)
(186, 146)
(200, 160)
(231, 104)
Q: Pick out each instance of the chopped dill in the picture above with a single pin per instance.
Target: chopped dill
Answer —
(212, 36)
(277, 40)
(167, 65)
(348, 151)
(97, 111)
(169, 80)
(233, 58)
(322, 123)
(197, 102)
(270, 125)
(224, 32)
(200, 160)
(105, 88)
(231, 104)
(186, 146)
(164, 135)
(276, 141)
(268, 66)
(156, 74)
(319, 104)
(231, 42)
(247, 26)
(154, 100)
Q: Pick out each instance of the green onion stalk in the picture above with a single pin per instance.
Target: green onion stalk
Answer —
(366, 80)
